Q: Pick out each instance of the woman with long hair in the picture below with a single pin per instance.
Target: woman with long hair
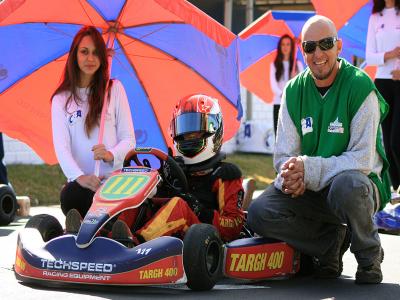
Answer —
(282, 69)
(76, 110)
(383, 50)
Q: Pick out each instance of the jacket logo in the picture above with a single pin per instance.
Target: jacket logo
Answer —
(306, 125)
(74, 116)
(336, 127)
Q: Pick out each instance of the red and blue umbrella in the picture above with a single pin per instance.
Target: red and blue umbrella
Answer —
(164, 50)
(351, 20)
(257, 45)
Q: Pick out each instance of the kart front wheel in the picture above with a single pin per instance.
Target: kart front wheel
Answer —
(202, 257)
(47, 225)
(8, 205)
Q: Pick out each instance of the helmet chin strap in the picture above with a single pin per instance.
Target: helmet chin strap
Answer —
(205, 167)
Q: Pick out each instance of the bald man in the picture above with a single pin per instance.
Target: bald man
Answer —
(332, 169)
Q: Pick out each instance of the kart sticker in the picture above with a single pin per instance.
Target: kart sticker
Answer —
(143, 149)
(135, 170)
(143, 251)
(123, 186)
(91, 221)
(259, 260)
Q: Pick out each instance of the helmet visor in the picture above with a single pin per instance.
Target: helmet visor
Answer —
(191, 148)
(195, 122)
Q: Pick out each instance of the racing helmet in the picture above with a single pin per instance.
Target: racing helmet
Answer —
(197, 128)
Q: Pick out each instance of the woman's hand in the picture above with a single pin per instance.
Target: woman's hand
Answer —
(100, 152)
(395, 53)
(395, 74)
(90, 182)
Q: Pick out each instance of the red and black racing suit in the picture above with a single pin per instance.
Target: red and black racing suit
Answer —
(220, 194)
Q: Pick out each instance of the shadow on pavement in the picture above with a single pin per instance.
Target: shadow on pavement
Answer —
(5, 232)
(18, 223)
(295, 288)
(114, 292)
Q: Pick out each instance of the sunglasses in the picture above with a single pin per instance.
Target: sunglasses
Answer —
(324, 44)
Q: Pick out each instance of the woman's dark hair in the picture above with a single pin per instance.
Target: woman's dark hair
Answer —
(71, 77)
(279, 57)
(379, 5)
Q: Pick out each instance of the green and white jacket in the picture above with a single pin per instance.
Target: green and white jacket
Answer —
(333, 133)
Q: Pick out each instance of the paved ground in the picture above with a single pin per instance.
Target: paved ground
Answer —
(295, 288)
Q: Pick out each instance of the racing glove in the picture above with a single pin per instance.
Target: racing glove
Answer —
(204, 214)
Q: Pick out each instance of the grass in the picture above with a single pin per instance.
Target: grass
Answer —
(258, 166)
(42, 183)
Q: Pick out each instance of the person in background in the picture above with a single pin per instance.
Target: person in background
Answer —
(3, 169)
(331, 164)
(282, 69)
(383, 50)
(76, 107)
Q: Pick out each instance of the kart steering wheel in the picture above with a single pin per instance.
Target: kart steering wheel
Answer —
(166, 161)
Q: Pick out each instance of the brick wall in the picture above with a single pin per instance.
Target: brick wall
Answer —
(261, 139)
(16, 152)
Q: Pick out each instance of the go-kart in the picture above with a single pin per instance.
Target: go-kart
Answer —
(46, 255)
(8, 205)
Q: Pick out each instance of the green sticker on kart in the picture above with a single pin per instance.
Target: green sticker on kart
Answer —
(123, 186)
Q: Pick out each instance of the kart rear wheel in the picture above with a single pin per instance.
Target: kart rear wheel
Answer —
(8, 205)
(47, 225)
(202, 257)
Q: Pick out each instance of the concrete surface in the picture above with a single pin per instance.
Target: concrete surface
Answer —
(294, 288)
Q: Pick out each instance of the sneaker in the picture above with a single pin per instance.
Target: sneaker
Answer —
(371, 274)
(73, 221)
(330, 266)
(122, 233)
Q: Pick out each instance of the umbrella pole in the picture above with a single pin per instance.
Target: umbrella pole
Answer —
(110, 45)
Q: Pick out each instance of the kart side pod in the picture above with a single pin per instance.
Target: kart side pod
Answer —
(259, 258)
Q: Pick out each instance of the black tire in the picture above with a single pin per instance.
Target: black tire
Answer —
(202, 257)
(8, 205)
(306, 265)
(47, 225)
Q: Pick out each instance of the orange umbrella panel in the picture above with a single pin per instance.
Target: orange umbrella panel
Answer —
(164, 50)
(257, 47)
(351, 20)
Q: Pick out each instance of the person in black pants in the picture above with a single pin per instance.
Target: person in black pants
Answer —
(3, 169)
(76, 107)
(390, 90)
(383, 50)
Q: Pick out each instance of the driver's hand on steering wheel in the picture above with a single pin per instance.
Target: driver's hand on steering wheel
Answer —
(180, 162)
(101, 153)
(90, 182)
(193, 202)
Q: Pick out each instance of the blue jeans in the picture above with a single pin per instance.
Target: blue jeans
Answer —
(310, 222)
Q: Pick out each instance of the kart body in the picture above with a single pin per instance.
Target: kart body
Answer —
(259, 258)
(45, 255)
